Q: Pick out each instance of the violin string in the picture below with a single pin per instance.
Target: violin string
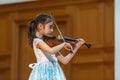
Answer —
(58, 29)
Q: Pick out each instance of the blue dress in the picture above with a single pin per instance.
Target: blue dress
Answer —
(47, 67)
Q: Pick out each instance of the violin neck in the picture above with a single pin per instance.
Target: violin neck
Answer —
(70, 39)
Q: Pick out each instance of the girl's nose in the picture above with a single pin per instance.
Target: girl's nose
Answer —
(51, 30)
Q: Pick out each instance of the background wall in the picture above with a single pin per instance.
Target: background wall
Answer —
(92, 20)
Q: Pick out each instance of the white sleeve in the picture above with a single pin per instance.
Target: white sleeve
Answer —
(37, 40)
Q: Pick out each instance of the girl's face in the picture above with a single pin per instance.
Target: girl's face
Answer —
(48, 29)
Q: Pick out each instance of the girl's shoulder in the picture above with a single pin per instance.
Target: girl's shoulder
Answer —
(36, 40)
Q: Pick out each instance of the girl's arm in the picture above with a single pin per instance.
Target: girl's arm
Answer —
(68, 57)
(43, 46)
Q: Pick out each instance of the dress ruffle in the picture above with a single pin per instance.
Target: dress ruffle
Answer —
(48, 70)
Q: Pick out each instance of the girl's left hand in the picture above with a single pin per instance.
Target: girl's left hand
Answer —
(80, 42)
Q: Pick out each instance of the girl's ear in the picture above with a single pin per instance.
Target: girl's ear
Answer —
(40, 26)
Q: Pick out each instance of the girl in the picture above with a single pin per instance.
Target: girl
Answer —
(47, 67)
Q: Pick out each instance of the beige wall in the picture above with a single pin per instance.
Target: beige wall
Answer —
(92, 20)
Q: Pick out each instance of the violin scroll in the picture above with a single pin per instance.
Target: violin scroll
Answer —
(88, 45)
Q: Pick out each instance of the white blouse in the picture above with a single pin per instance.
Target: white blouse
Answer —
(41, 55)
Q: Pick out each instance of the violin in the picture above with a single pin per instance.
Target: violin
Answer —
(53, 41)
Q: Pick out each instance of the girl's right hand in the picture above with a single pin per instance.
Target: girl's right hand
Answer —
(68, 47)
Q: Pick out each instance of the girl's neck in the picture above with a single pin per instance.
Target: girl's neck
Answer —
(38, 35)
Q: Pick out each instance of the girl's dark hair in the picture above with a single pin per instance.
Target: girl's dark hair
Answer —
(32, 26)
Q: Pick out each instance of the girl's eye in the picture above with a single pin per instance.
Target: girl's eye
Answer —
(51, 26)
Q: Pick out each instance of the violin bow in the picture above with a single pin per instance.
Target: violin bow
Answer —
(58, 29)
